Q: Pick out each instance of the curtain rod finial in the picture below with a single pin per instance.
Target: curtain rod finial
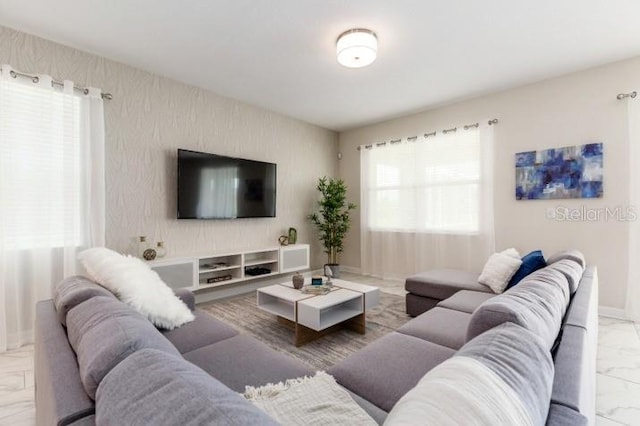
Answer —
(626, 95)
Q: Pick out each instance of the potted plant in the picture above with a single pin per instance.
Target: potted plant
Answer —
(332, 219)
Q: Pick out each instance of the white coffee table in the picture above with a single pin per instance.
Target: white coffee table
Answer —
(313, 316)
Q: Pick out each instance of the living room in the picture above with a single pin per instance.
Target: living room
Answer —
(211, 94)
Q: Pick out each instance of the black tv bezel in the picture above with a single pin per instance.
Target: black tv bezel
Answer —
(275, 189)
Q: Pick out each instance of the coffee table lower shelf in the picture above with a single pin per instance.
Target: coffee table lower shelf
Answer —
(304, 335)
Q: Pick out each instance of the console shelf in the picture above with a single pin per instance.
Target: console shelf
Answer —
(215, 270)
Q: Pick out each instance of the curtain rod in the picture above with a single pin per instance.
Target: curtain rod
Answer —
(426, 135)
(626, 95)
(35, 79)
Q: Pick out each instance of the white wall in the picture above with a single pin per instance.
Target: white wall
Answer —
(570, 110)
(150, 117)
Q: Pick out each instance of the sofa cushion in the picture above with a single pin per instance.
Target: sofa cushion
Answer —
(417, 305)
(574, 384)
(389, 367)
(442, 283)
(441, 326)
(72, 291)
(465, 301)
(60, 394)
(535, 304)
(550, 276)
(498, 271)
(521, 359)
(530, 263)
(244, 361)
(574, 255)
(137, 285)
(187, 297)
(137, 390)
(104, 331)
(203, 331)
(571, 270)
(559, 415)
(502, 377)
(585, 301)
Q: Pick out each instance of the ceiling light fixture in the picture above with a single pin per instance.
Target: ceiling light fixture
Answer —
(357, 48)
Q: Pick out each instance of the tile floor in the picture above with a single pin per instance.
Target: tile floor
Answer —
(618, 378)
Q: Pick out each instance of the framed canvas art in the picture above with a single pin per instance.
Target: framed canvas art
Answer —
(567, 172)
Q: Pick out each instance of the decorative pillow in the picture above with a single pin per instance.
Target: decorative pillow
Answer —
(511, 252)
(498, 271)
(103, 331)
(133, 282)
(530, 263)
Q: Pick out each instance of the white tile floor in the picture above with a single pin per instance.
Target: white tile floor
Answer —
(618, 378)
(17, 405)
(618, 367)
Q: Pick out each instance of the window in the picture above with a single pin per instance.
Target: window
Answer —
(40, 166)
(432, 185)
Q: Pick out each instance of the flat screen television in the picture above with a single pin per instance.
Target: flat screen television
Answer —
(213, 186)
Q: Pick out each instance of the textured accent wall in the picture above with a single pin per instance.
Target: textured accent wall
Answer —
(150, 117)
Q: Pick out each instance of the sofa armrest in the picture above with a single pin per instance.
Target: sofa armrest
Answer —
(186, 296)
(61, 398)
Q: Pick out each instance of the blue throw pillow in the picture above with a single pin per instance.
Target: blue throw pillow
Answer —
(530, 263)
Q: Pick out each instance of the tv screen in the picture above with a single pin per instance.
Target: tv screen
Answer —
(217, 187)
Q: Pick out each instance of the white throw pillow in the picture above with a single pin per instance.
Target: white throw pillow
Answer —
(498, 271)
(511, 252)
(133, 282)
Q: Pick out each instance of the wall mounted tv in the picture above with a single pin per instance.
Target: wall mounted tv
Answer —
(217, 187)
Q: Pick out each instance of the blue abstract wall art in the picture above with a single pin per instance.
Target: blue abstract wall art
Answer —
(568, 172)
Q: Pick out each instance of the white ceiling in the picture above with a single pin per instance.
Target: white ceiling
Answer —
(280, 54)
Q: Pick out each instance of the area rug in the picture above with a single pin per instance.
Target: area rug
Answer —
(242, 313)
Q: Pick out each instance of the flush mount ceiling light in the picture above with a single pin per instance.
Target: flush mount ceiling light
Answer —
(357, 48)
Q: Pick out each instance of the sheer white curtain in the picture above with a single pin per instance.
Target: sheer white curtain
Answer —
(427, 204)
(51, 192)
(632, 308)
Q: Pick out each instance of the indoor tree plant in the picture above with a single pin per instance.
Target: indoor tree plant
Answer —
(332, 219)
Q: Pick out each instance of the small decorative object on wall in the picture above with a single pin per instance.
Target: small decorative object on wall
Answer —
(283, 240)
(298, 281)
(567, 172)
(293, 235)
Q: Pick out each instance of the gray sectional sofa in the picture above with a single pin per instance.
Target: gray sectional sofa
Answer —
(99, 362)
(558, 303)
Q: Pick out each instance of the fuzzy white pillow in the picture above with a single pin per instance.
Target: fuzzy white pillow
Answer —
(498, 271)
(511, 252)
(133, 282)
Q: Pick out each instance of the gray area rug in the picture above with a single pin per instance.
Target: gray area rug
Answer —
(241, 313)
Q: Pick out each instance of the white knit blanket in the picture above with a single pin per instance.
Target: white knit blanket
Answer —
(316, 400)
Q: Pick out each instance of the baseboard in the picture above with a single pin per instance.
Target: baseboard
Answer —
(609, 312)
(351, 269)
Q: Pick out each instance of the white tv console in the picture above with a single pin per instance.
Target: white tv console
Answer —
(206, 271)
